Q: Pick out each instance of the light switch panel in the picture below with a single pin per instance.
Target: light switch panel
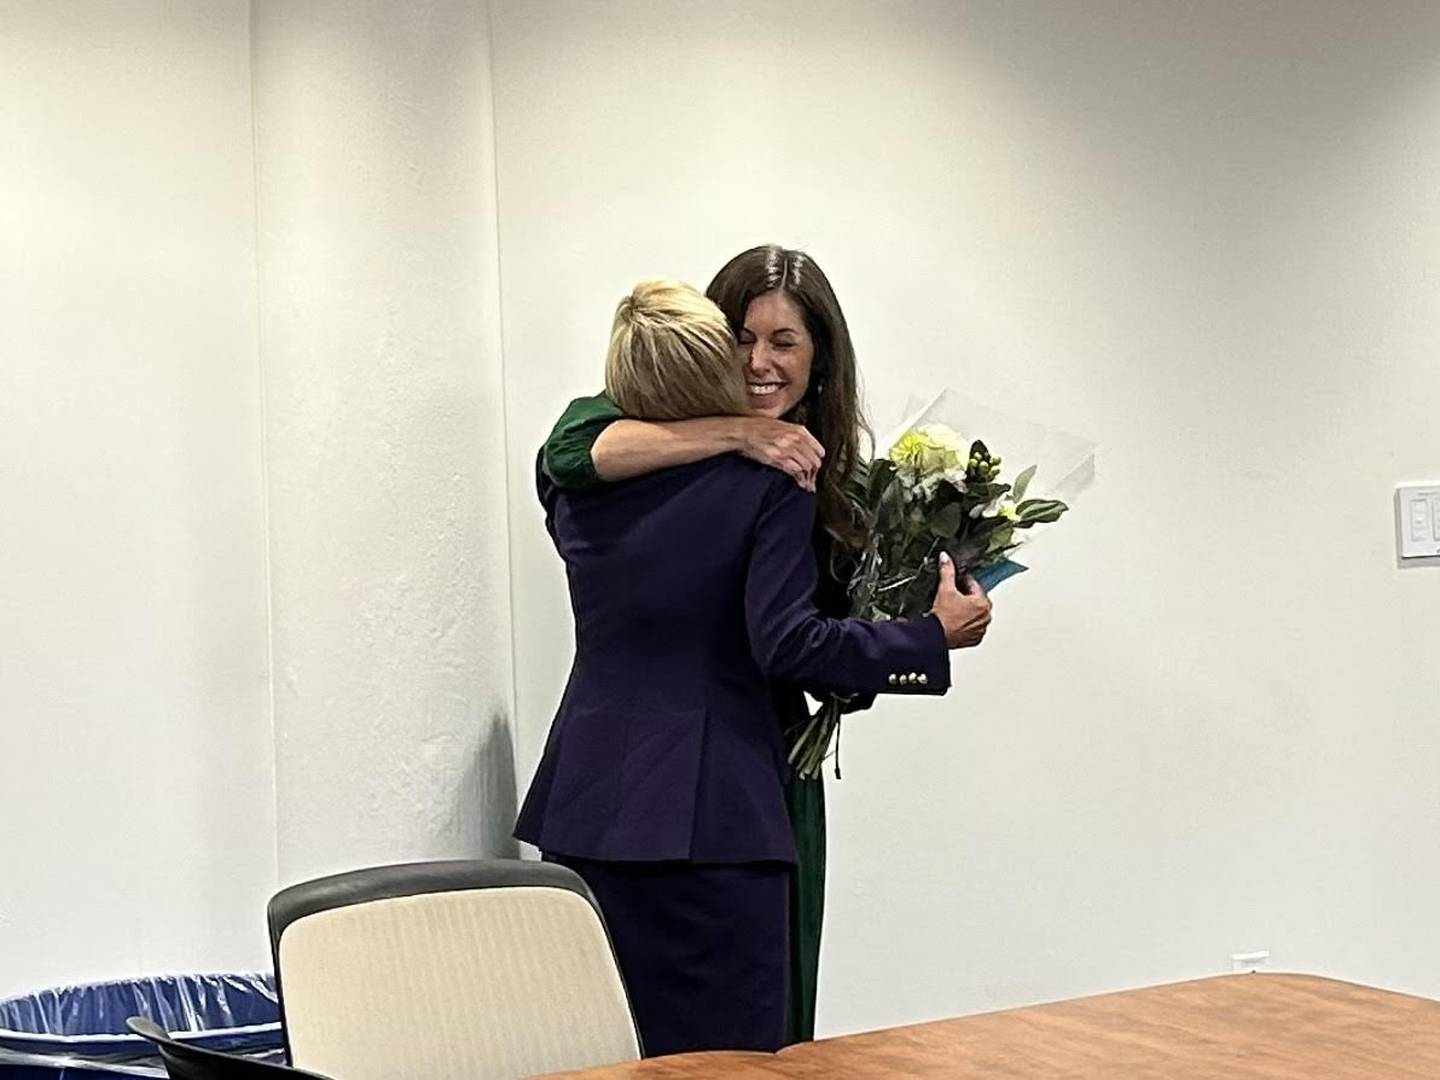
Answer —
(1419, 520)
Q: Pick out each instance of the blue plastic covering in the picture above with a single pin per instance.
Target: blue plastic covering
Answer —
(74, 1032)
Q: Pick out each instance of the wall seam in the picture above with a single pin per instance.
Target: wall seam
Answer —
(504, 391)
(264, 463)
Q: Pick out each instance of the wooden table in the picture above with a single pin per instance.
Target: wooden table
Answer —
(1276, 1027)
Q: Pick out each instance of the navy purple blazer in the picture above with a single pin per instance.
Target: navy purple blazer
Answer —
(690, 588)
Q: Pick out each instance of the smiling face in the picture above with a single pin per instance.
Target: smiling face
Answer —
(777, 352)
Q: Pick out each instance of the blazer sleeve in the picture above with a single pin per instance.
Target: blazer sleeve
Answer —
(566, 457)
(791, 640)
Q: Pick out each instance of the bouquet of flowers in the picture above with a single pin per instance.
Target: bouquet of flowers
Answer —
(932, 491)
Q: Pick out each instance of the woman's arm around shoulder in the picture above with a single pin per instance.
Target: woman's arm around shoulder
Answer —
(594, 443)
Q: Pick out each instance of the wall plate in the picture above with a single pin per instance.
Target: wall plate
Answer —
(1418, 520)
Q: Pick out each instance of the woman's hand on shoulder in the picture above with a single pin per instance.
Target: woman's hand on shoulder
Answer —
(784, 446)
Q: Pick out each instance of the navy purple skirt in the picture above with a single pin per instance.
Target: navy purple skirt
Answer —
(703, 949)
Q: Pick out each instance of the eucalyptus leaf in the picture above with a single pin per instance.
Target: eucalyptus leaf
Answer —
(1000, 539)
(945, 522)
(890, 508)
(1022, 482)
(969, 553)
(879, 477)
(1040, 511)
(946, 492)
(984, 493)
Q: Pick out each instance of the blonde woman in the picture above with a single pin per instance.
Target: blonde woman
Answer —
(663, 778)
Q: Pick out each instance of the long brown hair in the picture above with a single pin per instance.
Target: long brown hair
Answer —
(830, 408)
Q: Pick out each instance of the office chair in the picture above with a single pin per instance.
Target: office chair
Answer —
(450, 970)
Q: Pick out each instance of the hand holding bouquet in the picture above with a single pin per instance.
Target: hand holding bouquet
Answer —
(931, 492)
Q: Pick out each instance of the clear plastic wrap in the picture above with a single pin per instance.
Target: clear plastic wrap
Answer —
(1065, 463)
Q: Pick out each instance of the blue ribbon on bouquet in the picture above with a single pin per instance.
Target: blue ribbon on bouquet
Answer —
(991, 576)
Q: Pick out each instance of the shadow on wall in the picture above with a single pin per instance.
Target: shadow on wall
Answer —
(488, 802)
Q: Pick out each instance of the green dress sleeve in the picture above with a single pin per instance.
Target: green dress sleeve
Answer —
(565, 457)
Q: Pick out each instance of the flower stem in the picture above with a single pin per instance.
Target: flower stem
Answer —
(812, 744)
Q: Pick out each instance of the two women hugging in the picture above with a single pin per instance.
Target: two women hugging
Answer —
(700, 508)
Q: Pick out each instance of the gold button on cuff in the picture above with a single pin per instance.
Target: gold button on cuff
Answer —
(894, 679)
(924, 678)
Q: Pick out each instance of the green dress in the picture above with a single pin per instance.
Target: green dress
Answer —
(566, 459)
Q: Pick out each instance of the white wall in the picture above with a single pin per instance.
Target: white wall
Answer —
(138, 827)
(384, 422)
(177, 349)
(1202, 234)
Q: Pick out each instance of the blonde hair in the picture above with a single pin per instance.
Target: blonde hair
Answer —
(672, 356)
